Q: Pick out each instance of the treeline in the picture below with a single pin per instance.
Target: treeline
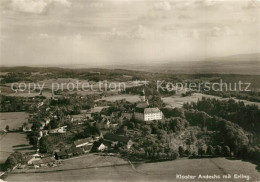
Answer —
(18, 104)
(16, 77)
(249, 96)
(229, 133)
(150, 90)
(13, 160)
(246, 116)
(73, 103)
(233, 138)
(12, 104)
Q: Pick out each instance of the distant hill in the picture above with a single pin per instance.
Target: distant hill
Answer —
(236, 64)
(238, 58)
(247, 64)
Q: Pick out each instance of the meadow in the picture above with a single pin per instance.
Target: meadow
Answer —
(111, 169)
(178, 101)
(11, 142)
(13, 119)
(129, 98)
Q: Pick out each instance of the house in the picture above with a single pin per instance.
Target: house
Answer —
(84, 111)
(100, 146)
(69, 153)
(115, 114)
(96, 137)
(44, 161)
(42, 125)
(96, 109)
(58, 130)
(139, 116)
(48, 160)
(126, 115)
(47, 121)
(83, 142)
(142, 105)
(30, 159)
(88, 116)
(151, 114)
(75, 118)
(107, 124)
(37, 163)
(77, 151)
(27, 128)
(118, 139)
(61, 155)
(87, 148)
(113, 125)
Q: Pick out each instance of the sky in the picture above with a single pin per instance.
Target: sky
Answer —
(104, 32)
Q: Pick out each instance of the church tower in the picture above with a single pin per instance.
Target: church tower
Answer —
(142, 96)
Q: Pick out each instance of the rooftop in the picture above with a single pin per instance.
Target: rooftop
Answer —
(61, 153)
(142, 105)
(151, 110)
(86, 140)
(113, 137)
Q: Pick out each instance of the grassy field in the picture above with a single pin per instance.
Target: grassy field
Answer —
(178, 101)
(70, 85)
(11, 142)
(13, 119)
(129, 98)
(101, 168)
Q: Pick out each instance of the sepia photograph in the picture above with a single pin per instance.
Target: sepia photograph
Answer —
(130, 90)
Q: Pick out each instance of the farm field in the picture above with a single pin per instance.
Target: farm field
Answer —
(13, 119)
(71, 85)
(11, 142)
(129, 98)
(104, 168)
(178, 101)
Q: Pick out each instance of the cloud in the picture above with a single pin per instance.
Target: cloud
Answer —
(224, 31)
(35, 6)
(44, 35)
(96, 5)
(184, 17)
(114, 34)
(194, 34)
(163, 6)
(139, 32)
(195, 4)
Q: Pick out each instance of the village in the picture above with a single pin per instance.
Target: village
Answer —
(106, 132)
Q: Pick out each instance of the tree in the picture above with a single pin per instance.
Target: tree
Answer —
(210, 150)
(201, 151)
(54, 123)
(36, 126)
(7, 128)
(174, 155)
(10, 162)
(33, 140)
(187, 152)
(218, 150)
(45, 145)
(181, 151)
(147, 130)
(25, 125)
(226, 151)
(19, 157)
